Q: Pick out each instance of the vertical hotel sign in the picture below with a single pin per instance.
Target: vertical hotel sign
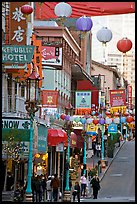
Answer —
(49, 99)
(17, 24)
(129, 97)
(117, 98)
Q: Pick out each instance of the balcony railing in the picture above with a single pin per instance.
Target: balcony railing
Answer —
(16, 105)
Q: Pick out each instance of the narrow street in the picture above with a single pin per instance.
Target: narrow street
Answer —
(118, 184)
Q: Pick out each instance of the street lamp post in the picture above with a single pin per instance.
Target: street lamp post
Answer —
(32, 102)
(68, 129)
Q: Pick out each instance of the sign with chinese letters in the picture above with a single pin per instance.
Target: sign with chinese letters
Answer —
(83, 99)
(129, 97)
(17, 24)
(91, 129)
(49, 98)
(17, 53)
(112, 128)
(117, 98)
(51, 55)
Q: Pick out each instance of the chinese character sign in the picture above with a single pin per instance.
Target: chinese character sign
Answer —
(51, 55)
(83, 99)
(129, 97)
(17, 25)
(117, 98)
(49, 98)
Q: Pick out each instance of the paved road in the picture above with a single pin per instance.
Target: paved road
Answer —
(118, 184)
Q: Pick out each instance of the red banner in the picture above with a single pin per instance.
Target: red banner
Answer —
(49, 99)
(117, 98)
(129, 97)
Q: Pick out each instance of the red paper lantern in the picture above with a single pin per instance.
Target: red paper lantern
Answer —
(26, 9)
(95, 121)
(124, 45)
(126, 114)
(129, 119)
(63, 116)
(108, 113)
(116, 114)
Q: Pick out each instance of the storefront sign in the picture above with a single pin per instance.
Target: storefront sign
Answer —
(50, 98)
(83, 99)
(15, 123)
(117, 98)
(17, 53)
(91, 129)
(60, 147)
(112, 128)
(42, 138)
(129, 97)
(51, 55)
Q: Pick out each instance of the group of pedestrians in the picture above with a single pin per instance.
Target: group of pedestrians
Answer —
(79, 191)
(45, 189)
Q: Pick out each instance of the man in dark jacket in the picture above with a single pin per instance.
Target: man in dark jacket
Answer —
(76, 192)
(55, 184)
(95, 184)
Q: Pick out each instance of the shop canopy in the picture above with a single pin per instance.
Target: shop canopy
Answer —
(56, 136)
(45, 11)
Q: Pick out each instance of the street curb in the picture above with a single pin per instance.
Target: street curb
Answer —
(112, 160)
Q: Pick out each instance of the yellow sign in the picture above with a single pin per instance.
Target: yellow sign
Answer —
(91, 128)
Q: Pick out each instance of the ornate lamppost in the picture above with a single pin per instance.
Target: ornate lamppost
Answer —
(68, 128)
(32, 106)
(83, 121)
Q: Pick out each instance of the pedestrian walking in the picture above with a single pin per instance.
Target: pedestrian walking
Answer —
(49, 189)
(95, 184)
(55, 184)
(76, 192)
(98, 149)
(83, 181)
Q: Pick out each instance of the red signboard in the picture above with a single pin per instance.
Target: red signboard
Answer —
(49, 99)
(129, 97)
(117, 98)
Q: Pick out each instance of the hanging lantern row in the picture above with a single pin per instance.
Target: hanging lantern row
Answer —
(99, 120)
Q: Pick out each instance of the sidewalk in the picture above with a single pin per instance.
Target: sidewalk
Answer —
(94, 161)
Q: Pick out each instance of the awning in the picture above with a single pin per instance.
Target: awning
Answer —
(85, 8)
(56, 136)
(78, 73)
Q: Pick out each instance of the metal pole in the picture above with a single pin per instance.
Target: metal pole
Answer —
(102, 143)
(29, 189)
(62, 172)
(84, 158)
(68, 160)
(51, 162)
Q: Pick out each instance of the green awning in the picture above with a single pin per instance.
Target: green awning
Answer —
(18, 134)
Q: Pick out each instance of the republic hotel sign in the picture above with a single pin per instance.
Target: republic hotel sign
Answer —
(17, 53)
